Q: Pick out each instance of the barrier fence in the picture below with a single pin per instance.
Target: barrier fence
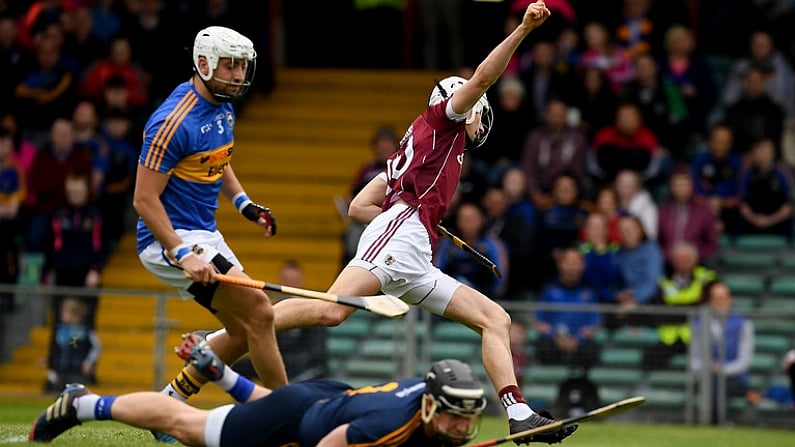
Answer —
(368, 349)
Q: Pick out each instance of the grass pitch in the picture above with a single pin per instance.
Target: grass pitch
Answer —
(16, 417)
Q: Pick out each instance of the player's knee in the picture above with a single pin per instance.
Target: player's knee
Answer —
(259, 315)
(498, 318)
(333, 315)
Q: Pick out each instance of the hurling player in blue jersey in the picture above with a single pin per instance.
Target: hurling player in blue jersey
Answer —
(441, 409)
(183, 166)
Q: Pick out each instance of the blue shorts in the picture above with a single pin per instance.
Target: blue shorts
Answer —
(275, 419)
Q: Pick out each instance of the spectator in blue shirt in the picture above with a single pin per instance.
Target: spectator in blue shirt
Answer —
(717, 176)
(566, 336)
(601, 269)
(640, 261)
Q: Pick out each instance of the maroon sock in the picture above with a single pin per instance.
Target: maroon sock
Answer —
(510, 395)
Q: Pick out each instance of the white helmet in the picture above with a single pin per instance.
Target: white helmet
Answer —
(446, 87)
(216, 42)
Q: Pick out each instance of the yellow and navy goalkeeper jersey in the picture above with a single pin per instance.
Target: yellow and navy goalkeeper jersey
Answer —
(303, 413)
(381, 415)
(191, 140)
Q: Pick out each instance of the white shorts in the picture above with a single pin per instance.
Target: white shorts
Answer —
(155, 260)
(395, 247)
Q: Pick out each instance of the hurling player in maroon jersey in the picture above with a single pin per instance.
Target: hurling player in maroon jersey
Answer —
(403, 206)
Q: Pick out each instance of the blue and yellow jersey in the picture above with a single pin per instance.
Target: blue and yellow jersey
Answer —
(382, 415)
(191, 140)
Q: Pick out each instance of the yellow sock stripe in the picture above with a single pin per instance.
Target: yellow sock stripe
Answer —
(185, 384)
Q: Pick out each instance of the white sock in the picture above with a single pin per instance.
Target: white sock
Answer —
(168, 390)
(519, 411)
(214, 334)
(85, 406)
(229, 378)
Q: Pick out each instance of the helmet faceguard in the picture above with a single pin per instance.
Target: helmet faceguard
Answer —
(454, 389)
(216, 43)
(445, 88)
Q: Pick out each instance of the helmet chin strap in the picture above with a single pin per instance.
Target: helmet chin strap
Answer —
(221, 96)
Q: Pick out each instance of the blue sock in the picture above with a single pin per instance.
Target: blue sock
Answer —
(239, 387)
(102, 408)
(242, 389)
(92, 407)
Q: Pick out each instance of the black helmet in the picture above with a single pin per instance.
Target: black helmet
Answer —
(455, 388)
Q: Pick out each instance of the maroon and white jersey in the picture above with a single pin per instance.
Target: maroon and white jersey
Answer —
(426, 169)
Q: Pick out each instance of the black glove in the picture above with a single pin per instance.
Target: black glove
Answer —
(253, 212)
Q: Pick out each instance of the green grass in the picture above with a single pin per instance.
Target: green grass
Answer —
(15, 419)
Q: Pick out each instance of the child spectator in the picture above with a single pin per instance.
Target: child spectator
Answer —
(74, 347)
(77, 240)
(766, 193)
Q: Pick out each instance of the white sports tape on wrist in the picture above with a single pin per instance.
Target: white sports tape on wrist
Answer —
(240, 201)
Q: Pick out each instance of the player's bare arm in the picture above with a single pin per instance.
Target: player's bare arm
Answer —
(232, 189)
(367, 203)
(149, 185)
(492, 67)
(336, 438)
